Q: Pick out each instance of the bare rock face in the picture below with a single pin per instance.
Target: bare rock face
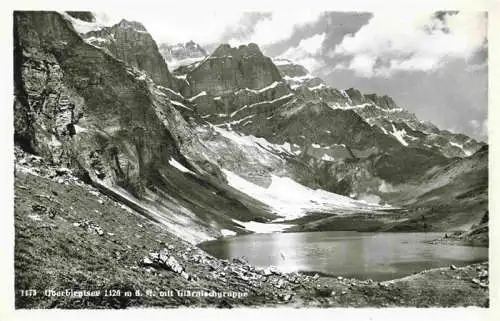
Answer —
(75, 104)
(129, 41)
(356, 96)
(290, 69)
(229, 69)
(296, 75)
(384, 101)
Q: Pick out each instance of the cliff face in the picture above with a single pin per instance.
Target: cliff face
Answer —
(129, 41)
(229, 69)
(86, 104)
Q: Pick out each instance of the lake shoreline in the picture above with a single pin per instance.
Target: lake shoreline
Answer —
(123, 251)
(379, 256)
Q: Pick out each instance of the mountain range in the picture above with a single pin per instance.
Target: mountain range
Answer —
(232, 141)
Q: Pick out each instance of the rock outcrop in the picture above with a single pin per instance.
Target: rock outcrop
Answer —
(129, 41)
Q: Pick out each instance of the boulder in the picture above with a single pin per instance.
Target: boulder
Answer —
(173, 264)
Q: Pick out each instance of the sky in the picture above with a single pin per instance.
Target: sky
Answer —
(432, 63)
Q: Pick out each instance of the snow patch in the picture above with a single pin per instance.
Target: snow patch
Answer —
(96, 39)
(83, 26)
(327, 158)
(399, 135)
(315, 145)
(262, 103)
(258, 91)
(257, 227)
(203, 93)
(466, 152)
(318, 87)
(179, 166)
(179, 104)
(252, 141)
(225, 232)
(346, 95)
(290, 199)
(170, 90)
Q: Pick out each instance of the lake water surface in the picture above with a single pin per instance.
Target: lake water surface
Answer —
(377, 256)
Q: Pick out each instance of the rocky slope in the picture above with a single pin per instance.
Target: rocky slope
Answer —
(107, 246)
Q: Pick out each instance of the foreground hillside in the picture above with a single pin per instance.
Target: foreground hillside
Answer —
(70, 236)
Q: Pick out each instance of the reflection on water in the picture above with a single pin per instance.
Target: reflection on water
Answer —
(378, 256)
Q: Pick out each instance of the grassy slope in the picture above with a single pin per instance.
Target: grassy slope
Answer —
(52, 253)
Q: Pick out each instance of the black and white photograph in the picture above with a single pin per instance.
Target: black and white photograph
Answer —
(291, 158)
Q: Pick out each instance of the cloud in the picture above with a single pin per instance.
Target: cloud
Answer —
(209, 27)
(411, 42)
(244, 28)
(307, 52)
(480, 129)
(203, 27)
(277, 26)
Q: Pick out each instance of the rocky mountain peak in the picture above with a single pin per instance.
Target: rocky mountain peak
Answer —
(251, 49)
(194, 46)
(132, 24)
(182, 53)
(355, 95)
(230, 68)
(129, 41)
(384, 101)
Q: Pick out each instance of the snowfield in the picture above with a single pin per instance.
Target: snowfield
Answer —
(257, 227)
(179, 166)
(291, 200)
